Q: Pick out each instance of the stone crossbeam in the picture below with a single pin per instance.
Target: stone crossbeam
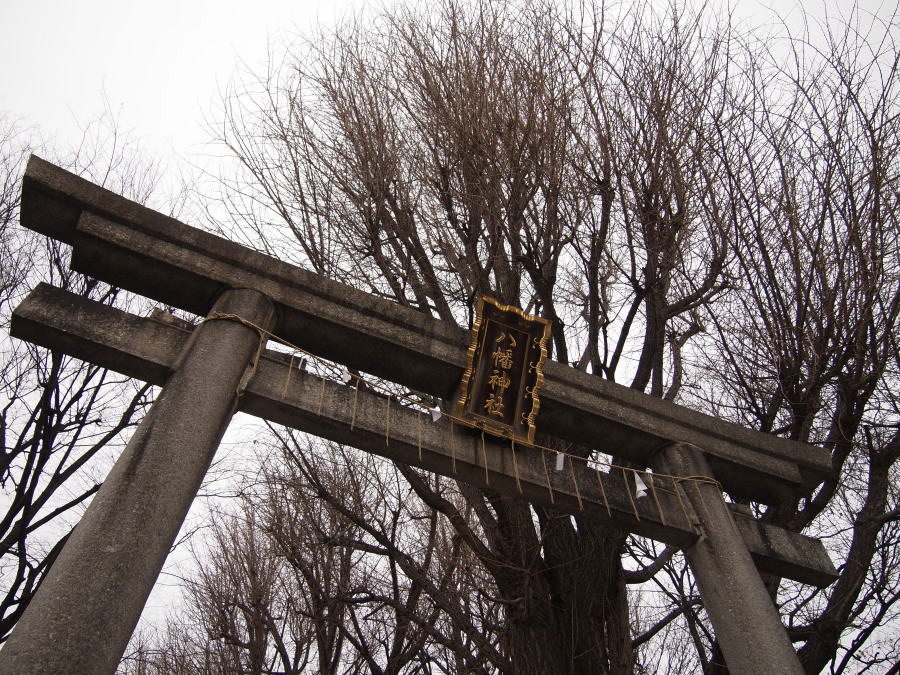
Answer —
(123, 243)
(147, 349)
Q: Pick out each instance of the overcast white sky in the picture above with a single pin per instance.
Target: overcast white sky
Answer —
(159, 63)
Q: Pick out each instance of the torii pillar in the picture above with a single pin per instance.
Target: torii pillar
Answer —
(90, 600)
(746, 622)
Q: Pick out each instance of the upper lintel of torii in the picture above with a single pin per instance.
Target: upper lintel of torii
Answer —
(123, 243)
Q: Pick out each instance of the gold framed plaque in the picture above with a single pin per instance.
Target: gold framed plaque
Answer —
(504, 371)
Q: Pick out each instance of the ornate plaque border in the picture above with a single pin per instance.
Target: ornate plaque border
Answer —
(513, 370)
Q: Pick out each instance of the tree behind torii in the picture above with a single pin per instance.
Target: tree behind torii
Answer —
(698, 219)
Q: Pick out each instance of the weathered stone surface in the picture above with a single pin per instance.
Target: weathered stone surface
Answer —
(126, 244)
(83, 614)
(747, 624)
(146, 349)
(783, 553)
(95, 333)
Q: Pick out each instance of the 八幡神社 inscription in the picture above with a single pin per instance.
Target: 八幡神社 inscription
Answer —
(499, 392)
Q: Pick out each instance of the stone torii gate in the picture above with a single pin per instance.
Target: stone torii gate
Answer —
(84, 612)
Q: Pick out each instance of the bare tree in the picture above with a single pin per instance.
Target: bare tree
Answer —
(700, 215)
(323, 568)
(814, 319)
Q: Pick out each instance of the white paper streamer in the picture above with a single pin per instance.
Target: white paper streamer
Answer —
(435, 413)
(345, 375)
(560, 461)
(640, 487)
